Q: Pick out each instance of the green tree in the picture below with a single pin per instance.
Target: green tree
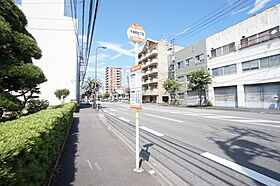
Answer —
(19, 78)
(106, 95)
(172, 87)
(89, 87)
(61, 94)
(199, 81)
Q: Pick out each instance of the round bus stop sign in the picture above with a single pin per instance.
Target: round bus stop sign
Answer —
(136, 33)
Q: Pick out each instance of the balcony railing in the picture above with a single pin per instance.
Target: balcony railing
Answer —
(258, 40)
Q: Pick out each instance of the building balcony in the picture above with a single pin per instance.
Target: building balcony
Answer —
(258, 40)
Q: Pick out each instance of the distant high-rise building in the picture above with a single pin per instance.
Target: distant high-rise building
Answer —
(113, 79)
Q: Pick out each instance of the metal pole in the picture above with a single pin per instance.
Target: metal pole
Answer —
(95, 77)
(137, 141)
(137, 168)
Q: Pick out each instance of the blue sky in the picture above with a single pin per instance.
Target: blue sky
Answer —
(161, 19)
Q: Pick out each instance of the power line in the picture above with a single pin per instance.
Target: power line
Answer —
(211, 20)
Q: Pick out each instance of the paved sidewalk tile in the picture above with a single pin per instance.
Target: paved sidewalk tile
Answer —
(93, 156)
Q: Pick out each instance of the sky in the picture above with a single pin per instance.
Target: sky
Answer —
(161, 19)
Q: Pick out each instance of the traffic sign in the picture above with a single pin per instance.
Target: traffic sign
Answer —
(97, 90)
(135, 87)
(136, 33)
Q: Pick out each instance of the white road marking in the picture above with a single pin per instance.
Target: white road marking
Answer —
(243, 170)
(97, 166)
(113, 109)
(105, 110)
(121, 118)
(89, 164)
(156, 116)
(112, 114)
(151, 131)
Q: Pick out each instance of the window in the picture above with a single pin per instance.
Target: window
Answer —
(225, 70)
(274, 60)
(199, 58)
(250, 65)
(181, 64)
(231, 47)
(260, 37)
(226, 49)
(231, 69)
(189, 61)
(264, 62)
(213, 53)
(218, 71)
(219, 51)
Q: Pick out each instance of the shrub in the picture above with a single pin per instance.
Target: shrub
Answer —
(36, 105)
(30, 145)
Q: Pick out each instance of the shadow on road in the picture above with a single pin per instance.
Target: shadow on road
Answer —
(243, 148)
(66, 167)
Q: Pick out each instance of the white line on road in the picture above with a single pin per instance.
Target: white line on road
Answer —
(112, 114)
(249, 122)
(151, 131)
(243, 170)
(97, 166)
(112, 109)
(123, 109)
(156, 116)
(121, 118)
(89, 164)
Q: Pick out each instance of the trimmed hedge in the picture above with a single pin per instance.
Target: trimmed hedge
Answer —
(30, 145)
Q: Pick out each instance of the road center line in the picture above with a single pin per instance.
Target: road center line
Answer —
(151, 131)
(156, 116)
(243, 170)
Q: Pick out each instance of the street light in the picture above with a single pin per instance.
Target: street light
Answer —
(103, 47)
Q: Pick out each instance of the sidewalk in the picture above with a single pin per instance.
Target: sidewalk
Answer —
(93, 156)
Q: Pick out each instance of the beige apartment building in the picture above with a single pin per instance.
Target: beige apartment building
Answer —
(113, 79)
(153, 57)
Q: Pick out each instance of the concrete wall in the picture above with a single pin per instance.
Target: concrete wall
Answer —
(253, 25)
(186, 53)
(55, 35)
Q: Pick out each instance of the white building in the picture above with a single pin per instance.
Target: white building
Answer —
(245, 62)
(55, 35)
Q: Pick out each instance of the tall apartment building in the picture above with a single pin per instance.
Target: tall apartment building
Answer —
(187, 60)
(113, 79)
(55, 35)
(153, 58)
(245, 62)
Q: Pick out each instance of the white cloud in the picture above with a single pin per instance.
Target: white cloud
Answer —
(100, 57)
(99, 70)
(259, 4)
(117, 48)
(240, 10)
(182, 32)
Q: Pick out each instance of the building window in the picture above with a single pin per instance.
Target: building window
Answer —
(189, 61)
(265, 62)
(230, 69)
(218, 71)
(260, 37)
(181, 64)
(225, 70)
(229, 48)
(199, 58)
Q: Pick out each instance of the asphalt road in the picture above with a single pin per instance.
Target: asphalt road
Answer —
(205, 147)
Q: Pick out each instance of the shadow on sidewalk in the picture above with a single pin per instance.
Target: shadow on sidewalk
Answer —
(67, 167)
